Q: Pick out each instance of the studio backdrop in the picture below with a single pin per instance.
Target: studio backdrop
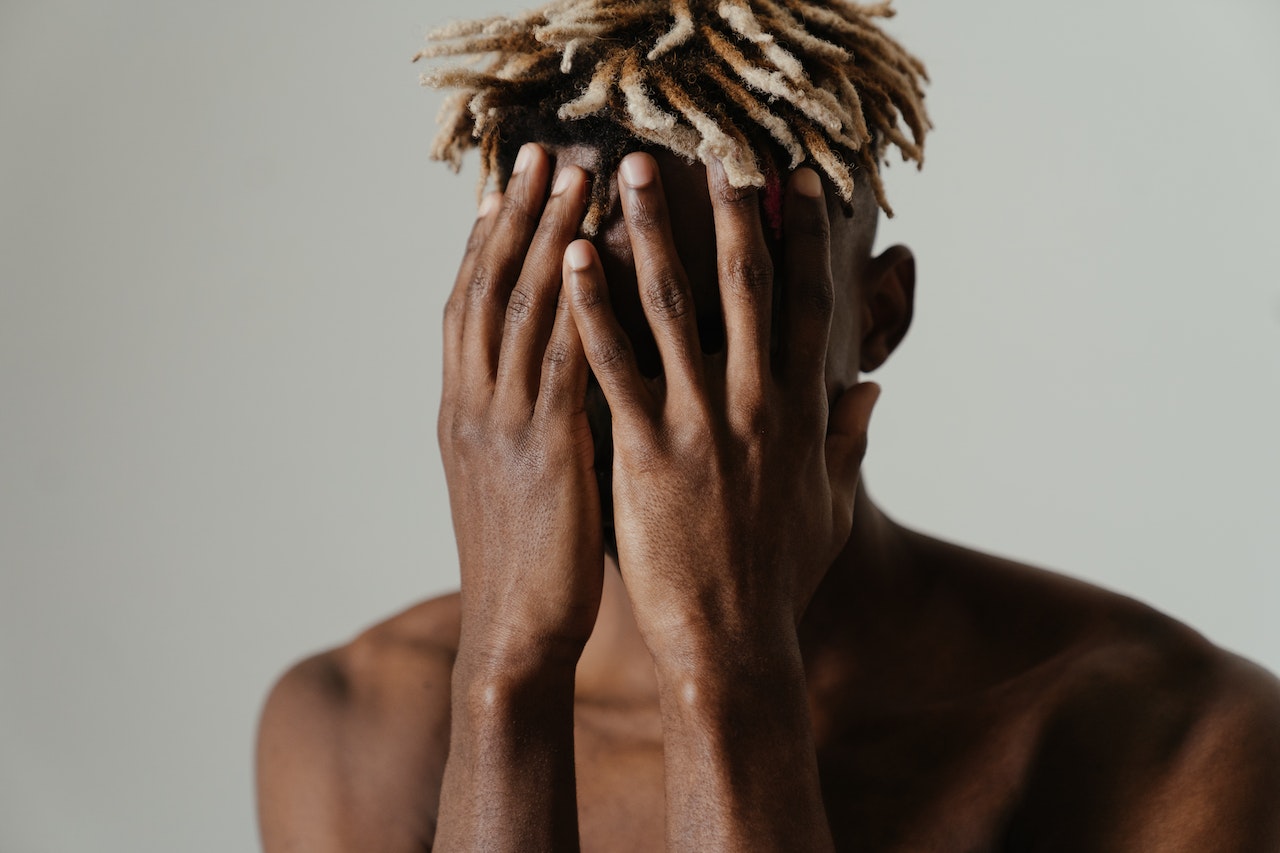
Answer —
(223, 259)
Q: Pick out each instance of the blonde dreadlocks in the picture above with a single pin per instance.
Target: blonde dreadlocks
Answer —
(749, 82)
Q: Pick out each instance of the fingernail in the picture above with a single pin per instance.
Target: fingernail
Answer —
(579, 257)
(490, 204)
(523, 160)
(563, 181)
(807, 183)
(637, 170)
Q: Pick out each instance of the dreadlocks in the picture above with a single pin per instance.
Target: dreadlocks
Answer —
(752, 83)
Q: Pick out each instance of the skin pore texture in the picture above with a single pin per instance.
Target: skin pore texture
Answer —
(762, 659)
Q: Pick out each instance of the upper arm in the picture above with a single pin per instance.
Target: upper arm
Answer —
(301, 796)
(1170, 746)
(1221, 792)
(351, 750)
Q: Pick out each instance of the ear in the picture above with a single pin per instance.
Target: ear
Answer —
(888, 302)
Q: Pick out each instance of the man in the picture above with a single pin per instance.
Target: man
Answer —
(683, 622)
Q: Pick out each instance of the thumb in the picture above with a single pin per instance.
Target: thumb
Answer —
(847, 438)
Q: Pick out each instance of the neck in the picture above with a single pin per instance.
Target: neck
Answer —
(616, 666)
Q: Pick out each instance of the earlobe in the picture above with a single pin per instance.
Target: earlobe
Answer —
(888, 303)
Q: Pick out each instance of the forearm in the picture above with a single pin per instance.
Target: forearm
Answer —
(509, 780)
(518, 454)
(741, 769)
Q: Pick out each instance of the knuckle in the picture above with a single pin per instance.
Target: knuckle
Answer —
(556, 358)
(610, 353)
(483, 283)
(736, 197)
(667, 296)
(692, 434)
(463, 430)
(521, 212)
(818, 296)
(477, 239)
(748, 272)
(812, 223)
(753, 418)
(520, 306)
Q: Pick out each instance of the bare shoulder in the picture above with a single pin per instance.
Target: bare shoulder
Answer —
(1152, 737)
(352, 741)
(1160, 741)
(1040, 614)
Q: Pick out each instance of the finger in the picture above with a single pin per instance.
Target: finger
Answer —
(562, 398)
(664, 287)
(846, 442)
(498, 266)
(531, 307)
(810, 293)
(490, 205)
(563, 386)
(455, 306)
(746, 280)
(606, 345)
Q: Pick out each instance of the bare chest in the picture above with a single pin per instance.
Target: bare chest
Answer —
(934, 782)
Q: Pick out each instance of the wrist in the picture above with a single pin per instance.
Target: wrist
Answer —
(708, 645)
(505, 711)
(510, 748)
(744, 723)
(508, 671)
(498, 648)
(724, 679)
(504, 698)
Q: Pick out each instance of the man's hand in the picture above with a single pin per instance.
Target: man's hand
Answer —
(518, 457)
(733, 483)
(733, 492)
(514, 436)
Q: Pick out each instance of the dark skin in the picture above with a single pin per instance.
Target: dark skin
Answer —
(761, 659)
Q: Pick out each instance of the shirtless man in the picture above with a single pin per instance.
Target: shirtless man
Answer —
(683, 621)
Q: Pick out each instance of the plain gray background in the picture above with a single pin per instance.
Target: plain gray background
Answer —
(223, 256)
